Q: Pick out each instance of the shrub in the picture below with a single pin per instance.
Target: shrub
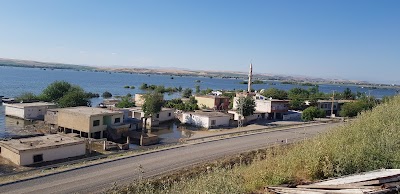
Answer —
(106, 94)
(312, 112)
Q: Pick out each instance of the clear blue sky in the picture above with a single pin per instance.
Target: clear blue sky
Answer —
(354, 39)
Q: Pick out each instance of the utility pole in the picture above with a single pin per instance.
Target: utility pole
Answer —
(333, 101)
(240, 107)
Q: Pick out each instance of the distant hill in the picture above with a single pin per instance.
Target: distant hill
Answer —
(186, 72)
(37, 64)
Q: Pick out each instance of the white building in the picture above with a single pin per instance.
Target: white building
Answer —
(26, 151)
(166, 114)
(206, 119)
(35, 110)
(271, 108)
(253, 117)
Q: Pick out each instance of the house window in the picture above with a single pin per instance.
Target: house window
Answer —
(38, 158)
(169, 114)
(158, 116)
(213, 122)
(96, 123)
(117, 120)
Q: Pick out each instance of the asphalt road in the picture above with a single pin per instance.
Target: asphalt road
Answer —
(96, 178)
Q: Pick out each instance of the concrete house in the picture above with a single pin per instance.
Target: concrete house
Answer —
(213, 102)
(28, 111)
(253, 117)
(26, 151)
(326, 105)
(166, 114)
(268, 108)
(88, 122)
(206, 119)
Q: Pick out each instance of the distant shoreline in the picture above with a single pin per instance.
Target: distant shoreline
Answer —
(174, 72)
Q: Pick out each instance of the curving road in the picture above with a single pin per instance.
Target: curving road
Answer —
(98, 177)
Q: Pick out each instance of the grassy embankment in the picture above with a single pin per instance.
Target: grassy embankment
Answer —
(372, 141)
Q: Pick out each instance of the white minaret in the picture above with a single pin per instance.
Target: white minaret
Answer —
(250, 78)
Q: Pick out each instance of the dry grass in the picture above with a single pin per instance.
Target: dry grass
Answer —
(370, 142)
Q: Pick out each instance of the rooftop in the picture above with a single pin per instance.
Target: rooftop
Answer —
(337, 101)
(209, 114)
(32, 104)
(138, 109)
(89, 111)
(46, 141)
(210, 96)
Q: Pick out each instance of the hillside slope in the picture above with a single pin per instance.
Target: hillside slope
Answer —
(370, 142)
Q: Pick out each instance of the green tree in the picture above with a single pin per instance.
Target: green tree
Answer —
(55, 91)
(143, 86)
(187, 93)
(152, 103)
(73, 98)
(197, 89)
(296, 104)
(298, 93)
(106, 94)
(248, 105)
(275, 93)
(27, 97)
(348, 95)
(352, 109)
(312, 112)
(125, 102)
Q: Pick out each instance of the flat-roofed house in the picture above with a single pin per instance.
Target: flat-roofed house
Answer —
(26, 151)
(166, 114)
(267, 107)
(31, 111)
(326, 105)
(213, 102)
(206, 119)
(89, 122)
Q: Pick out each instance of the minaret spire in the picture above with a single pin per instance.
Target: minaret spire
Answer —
(250, 78)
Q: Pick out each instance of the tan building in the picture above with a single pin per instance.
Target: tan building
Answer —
(88, 122)
(213, 102)
(26, 151)
(166, 114)
(139, 100)
(34, 110)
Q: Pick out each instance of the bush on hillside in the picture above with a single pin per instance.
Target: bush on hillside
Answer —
(312, 112)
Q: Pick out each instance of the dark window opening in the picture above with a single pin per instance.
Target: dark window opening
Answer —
(158, 116)
(117, 120)
(96, 123)
(38, 158)
(169, 114)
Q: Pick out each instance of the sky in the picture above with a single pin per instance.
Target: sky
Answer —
(347, 39)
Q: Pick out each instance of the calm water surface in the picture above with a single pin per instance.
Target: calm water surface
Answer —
(15, 81)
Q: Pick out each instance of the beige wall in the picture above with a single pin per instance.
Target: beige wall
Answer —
(139, 100)
(10, 155)
(51, 117)
(101, 127)
(164, 115)
(54, 154)
(208, 102)
(74, 121)
(26, 157)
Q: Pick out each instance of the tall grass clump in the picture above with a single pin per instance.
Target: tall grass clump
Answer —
(370, 142)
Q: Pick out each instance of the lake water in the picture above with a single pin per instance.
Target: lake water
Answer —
(15, 81)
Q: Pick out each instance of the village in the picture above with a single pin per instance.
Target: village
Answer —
(76, 131)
